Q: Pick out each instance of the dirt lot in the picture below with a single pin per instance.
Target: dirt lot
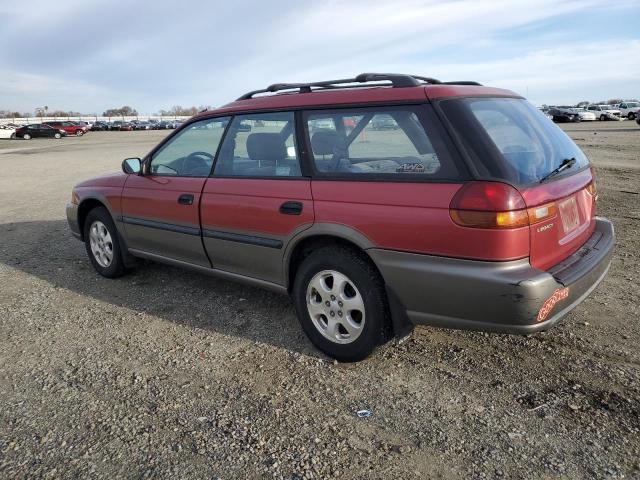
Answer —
(166, 373)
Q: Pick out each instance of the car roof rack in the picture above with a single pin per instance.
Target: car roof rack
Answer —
(395, 80)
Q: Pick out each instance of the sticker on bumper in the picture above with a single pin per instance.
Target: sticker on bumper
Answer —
(559, 294)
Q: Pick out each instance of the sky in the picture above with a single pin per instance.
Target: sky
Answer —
(89, 56)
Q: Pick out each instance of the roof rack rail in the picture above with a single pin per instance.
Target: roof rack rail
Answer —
(396, 80)
(463, 82)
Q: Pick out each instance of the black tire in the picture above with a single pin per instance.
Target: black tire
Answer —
(116, 268)
(603, 118)
(13, 136)
(368, 282)
(79, 133)
(631, 116)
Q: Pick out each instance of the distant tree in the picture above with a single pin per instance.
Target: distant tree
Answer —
(613, 101)
(584, 103)
(178, 110)
(62, 113)
(10, 114)
(125, 111)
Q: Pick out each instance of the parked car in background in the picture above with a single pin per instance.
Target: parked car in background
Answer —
(475, 213)
(116, 125)
(40, 130)
(604, 112)
(143, 125)
(71, 128)
(100, 126)
(629, 109)
(85, 123)
(7, 132)
(564, 114)
(384, 122)
(585, 115)
(163, 125)
(126, 127)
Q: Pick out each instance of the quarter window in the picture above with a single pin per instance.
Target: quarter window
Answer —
(375, 142)
(192, 151)
(260, 145)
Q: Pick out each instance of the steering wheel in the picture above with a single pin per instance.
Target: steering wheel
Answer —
(197, 164)
(201, 154)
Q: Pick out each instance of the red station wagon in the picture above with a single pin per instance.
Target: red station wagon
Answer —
(378, 203)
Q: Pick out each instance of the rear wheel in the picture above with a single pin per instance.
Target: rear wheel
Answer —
(631, 116)
(341, 304)
(603, 117)
(13, 136)
(79, 133)
(26, 136)
(57, 135)
(101, 242)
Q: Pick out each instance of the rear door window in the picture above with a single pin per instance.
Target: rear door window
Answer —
(377, 142)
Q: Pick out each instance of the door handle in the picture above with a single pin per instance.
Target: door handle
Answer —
(185, 199)
(291, 208)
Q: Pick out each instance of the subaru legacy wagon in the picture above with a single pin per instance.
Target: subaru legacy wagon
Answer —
(378, 203)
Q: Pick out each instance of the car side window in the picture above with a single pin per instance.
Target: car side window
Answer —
(192, 151)
(260, 145)
(375, 141)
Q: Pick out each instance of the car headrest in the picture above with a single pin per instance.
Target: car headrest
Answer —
(266, 146)
(324, 142)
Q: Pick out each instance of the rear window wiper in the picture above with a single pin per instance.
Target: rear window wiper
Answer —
(566, 163)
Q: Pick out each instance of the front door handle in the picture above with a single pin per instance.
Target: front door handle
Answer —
(291, 208)
(185, 199)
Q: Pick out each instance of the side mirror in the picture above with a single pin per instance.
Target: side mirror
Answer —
(131, 165)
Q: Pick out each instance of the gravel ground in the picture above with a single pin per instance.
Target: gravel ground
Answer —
(166, 373)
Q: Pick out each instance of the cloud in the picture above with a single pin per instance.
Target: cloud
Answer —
(90, 56)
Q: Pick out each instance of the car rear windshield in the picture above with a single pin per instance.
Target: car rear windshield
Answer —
(509, 139)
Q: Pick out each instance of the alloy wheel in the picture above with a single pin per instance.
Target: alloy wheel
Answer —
(101, 243)
(335, 306)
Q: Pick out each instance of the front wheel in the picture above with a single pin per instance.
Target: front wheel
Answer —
(631, 116)
(13, 136)
(79, 133)
(101, 242)
(603, 118)
(57, 135)
(341, 304)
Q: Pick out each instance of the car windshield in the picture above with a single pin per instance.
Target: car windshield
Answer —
(510, 140)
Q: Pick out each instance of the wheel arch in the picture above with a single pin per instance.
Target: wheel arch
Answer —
(320, 235)
(85, 206)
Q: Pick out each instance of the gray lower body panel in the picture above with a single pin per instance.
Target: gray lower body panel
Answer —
(183, 246)
(494, 296)
(72, 219)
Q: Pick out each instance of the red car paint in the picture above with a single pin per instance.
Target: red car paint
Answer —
(552, 244)
(413, 217)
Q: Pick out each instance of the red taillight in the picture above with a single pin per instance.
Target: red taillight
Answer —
(489, 205)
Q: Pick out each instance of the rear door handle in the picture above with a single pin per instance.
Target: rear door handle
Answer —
(291, 208)
(185, 199)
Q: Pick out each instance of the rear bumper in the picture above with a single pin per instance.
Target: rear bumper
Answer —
(72, 219)
(508, 297)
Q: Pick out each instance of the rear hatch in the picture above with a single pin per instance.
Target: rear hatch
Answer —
(510, 141)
